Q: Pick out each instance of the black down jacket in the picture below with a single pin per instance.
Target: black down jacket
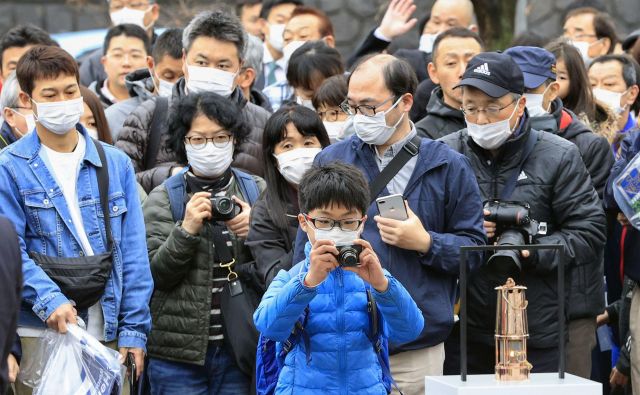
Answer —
(587, 281)
(441, 119)
(555, 183)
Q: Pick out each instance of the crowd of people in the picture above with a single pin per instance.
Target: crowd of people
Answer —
(191, 198)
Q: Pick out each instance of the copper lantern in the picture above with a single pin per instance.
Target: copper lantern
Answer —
(511, 333)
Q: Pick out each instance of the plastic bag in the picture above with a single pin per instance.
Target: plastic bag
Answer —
(626, 191)
(74, 363)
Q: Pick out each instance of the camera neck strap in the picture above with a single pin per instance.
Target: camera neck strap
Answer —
(223, 248)
(510, 185)
(408, 151)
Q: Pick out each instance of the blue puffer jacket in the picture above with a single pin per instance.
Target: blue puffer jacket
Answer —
(342, 357)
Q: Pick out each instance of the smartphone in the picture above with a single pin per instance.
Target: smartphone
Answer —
(393, 207)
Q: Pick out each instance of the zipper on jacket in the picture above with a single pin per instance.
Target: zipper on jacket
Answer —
(342, 362)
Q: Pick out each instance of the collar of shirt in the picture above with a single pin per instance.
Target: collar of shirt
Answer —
(393, 150)
(107, 93)
(631, 123)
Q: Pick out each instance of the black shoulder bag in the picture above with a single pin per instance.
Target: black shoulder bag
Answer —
(408, 151)
(83, 279)
(158, 125)
(238, 301)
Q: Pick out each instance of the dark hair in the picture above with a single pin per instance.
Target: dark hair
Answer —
(332, 92)
(308, 124)
(168, 43)
(312, 63)
(213, 106)
(326, 27)
(580, 98)
(240, 4)
(529, 38)
(334, 184)
(267, 5)
(458, 32)
(23, 35)
(44, 62)
(217, 24)
(95, 105)
(127, 30)
(628, 68)
(606, 28)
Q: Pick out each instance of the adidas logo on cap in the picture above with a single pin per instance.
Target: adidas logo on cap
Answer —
(482, 69)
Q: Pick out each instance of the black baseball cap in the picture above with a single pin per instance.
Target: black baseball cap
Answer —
(494, 73)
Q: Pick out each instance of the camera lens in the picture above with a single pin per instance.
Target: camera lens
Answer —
(224, 205)
(508, 261)
(349, 255)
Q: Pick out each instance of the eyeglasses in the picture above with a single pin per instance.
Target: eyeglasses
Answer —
(366, 110)
(322, 223)
(138, 5)
(199, 142)
(491, 111)
(330, 115)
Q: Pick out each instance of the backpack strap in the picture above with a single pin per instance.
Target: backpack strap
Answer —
(177, 194)
(298, 329)
(248, 186)
(158, 125)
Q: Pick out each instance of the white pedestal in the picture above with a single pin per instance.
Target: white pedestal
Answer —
(486, 384)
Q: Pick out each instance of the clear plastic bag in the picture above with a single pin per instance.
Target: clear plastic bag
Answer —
(74, 363)
(626, 190)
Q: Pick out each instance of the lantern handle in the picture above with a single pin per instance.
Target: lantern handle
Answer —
(525, 304)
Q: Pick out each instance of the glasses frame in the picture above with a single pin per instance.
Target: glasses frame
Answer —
(206, 140)
(313, 220)
(490, 114)
(353, 110)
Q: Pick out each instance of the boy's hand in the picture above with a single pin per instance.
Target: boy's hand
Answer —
(370, 269)
(408, 234)
(322, 261)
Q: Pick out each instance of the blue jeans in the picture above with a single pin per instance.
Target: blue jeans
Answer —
(218, 376)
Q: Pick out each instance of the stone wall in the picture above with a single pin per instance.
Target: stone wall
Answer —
(352, 19)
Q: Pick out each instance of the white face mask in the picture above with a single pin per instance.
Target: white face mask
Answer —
(164, 88)
(31, 122)
(611, 99)
(338, 236)
(210, 161)
(535, 103)
(129, 15)
(209, 79)
(374, 130)
(426, 42)
(583, 48)
(59, 117)
(290, 48)
(305, 103)
(335, 130)
(293, 164)
(276, 31)
(492, 135)
(92, 132)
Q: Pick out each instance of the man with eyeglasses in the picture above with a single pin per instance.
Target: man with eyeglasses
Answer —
(592, 32)
(142, 13)
(513, 162)
(442, 200)
(126, 48)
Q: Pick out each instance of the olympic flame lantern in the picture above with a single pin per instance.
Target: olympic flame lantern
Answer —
(511, 333)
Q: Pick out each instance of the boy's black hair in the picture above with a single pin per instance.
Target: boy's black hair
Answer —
(336, 183)
(23, 35)
(267, 5)
(127, 30)
(332, 92)
(312, 63)
(168, 43)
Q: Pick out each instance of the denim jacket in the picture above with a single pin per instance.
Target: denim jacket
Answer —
(33, 201)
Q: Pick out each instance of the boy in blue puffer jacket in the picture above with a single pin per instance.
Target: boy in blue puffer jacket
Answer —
(333, 200)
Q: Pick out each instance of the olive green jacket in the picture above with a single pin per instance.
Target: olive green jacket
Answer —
(181, 265)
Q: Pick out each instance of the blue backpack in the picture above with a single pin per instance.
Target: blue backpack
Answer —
(177, 192)
(269, 362)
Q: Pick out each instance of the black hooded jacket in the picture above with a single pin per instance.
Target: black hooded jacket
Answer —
(441, 119)
(555, 183)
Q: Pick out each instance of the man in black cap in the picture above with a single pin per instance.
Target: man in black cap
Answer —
(547, 113)
(515, 163)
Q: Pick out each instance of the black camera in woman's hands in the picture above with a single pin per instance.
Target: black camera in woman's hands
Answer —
(224, 208)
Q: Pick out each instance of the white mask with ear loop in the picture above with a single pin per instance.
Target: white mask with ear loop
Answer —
(374, 130)
(611, 99)
(338, 236)
(583, 48)
(130, 15)
(535, 103)
(492, 135)
(29, 119)
(163, 88)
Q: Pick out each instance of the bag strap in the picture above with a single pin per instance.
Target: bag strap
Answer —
(103, 187)
(158, 121)
(176, 192)
(248, 186)
(220, 242)
(510, 186)
(408, 151)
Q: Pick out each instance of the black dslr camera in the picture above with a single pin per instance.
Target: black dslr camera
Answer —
(349, 255)
(223, 208)
(514, 226)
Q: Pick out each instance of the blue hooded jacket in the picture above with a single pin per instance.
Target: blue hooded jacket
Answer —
(343, 360)
(443, 193)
